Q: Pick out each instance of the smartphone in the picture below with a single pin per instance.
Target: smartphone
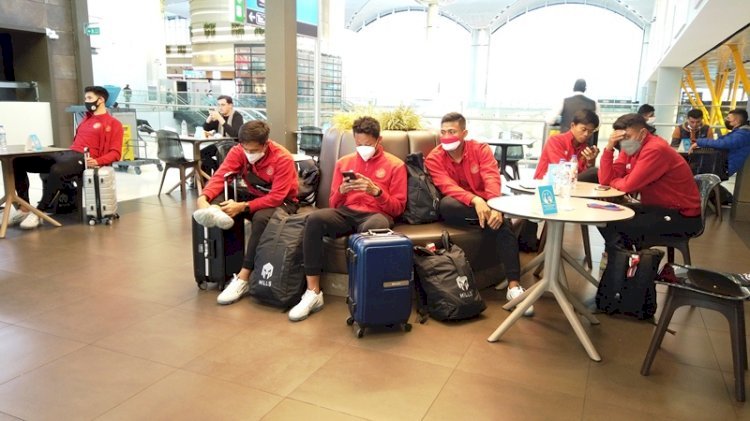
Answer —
(472, 221)
(349, 175)
(602, 188)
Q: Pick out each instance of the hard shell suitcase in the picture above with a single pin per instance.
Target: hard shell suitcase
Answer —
(380, 280)
(100, 195)
(218, 253)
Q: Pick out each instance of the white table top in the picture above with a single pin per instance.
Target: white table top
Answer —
(20, 150)
(510, 142)
(528, 206)
(583, 189)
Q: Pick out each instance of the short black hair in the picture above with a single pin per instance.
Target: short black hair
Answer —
(579, 86)
(695, 113)
(741, 113)
(256, 131)
(454, 117)
(227, 98)
(586, 117)
(626, 121)
(366, 125)
(98, 90)
(646, 109)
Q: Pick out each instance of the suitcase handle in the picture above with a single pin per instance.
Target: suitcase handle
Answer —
(351, 256)
(380, 231)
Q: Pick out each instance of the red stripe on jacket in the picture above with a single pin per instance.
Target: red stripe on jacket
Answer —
(276, 167)
(385, 170)
(657, 172)
(476, 175)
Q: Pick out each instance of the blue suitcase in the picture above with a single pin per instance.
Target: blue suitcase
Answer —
(380, 280)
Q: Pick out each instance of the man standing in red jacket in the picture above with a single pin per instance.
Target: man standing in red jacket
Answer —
(368, 191)
(466, 173)
(271, 178)
(98, 131)
(573, 142)
(670, 202)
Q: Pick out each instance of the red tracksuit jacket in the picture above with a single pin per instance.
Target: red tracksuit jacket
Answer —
(560, 146)
(276, 167)
(658, 172)
(476, 175)
(385, 170)
(102, 134)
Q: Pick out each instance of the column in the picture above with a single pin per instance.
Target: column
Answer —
(281, 71)
(480, 58)
(666, 98)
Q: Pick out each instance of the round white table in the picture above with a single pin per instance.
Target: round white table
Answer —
(528, 207)
(583, 189)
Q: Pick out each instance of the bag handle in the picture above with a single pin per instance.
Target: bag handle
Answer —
(446, 239)
(380, 231)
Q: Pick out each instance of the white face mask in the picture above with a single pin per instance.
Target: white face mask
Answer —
(366, 152)
(451, 146)
(254, 157)
(651, 120)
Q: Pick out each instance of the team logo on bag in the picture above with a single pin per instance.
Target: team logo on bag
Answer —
(463, 285)
(265, 274)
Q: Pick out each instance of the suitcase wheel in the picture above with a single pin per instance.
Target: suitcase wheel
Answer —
(407, 327)
(92, 222)
(360, 332)
(350, 321)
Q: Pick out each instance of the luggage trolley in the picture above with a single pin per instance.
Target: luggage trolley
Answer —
(140, 157)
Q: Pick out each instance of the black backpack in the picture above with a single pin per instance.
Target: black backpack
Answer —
(627, 287)
(308, 175)
(423, 198)
(445, 283)
(279, 277)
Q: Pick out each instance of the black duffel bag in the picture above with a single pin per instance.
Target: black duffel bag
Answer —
(279, 277)
(445, 283)
(627, 285)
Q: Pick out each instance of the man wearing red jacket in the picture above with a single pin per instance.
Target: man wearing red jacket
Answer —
(466, 173)
(368, 191)
(261, 162)
(573, 142)
(670, 202)
(98, 131)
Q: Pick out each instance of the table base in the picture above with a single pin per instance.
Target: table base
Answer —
(552, 281)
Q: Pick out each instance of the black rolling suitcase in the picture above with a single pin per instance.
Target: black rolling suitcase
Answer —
(218, 253)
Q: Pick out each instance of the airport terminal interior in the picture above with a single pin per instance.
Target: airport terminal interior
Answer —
(106, 321)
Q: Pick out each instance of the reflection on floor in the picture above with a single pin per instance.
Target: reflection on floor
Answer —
(106, 322)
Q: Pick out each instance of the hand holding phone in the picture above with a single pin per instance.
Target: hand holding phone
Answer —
(349, 176)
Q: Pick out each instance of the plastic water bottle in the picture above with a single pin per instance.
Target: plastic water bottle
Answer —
(3, 139)
(183, 129)
(563, 181)
(573, 171)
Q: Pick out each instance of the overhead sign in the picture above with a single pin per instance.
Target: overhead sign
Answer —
(307, 15)
(92, 29)
(239, 11)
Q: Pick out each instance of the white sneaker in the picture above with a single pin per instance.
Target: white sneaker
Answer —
(233, 292)
(16, 216)
(213, 217)
(515, 292)
(30, 222)
(310, 303)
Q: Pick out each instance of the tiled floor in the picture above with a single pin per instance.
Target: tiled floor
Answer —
(106, 322)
